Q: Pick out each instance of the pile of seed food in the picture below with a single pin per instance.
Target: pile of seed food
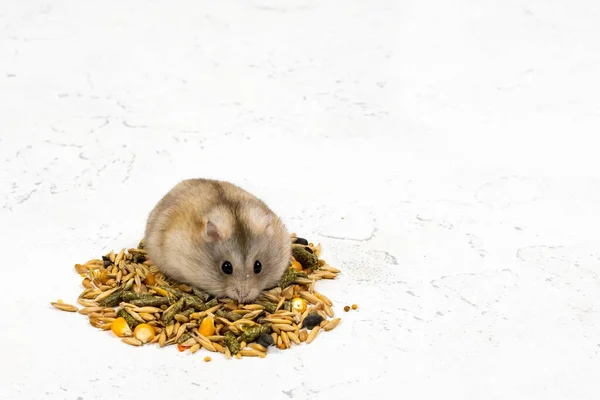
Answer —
(126, 294)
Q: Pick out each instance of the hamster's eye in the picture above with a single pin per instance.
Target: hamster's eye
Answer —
(227, 268)
(257, 267)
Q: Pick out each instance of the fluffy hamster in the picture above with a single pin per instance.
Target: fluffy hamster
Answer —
(218, 237)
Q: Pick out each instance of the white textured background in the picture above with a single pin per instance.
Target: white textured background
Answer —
(457, 140)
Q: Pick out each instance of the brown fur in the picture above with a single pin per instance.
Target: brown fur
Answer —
(201, 223)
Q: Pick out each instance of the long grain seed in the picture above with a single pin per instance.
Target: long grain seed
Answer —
(119, 256)
(89, 310)
(155, 340)
(254, 307)
(203, 340)
(280, 304)
(132, 341)
(278, 321)
(285, 339)
(271, 297)
(189, 343)
(218, 347)
(180, 331)
(258, 347)
(136, 316)
(332, 324)
(150, 310)
(250, 353)
(87, 303)
(195, 348)
(65, 307)
(169, 329)
(323, 298)
(313, 334)
(147, 317)
(293, 337)
(181, 318)
(105, 294)
(284, 328)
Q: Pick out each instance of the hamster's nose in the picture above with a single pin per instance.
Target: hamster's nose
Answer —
(241, 294)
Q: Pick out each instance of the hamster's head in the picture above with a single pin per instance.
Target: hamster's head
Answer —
(242, 252)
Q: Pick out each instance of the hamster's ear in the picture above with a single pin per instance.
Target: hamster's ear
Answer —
(259, 220)
(212, 231)
(217, 225)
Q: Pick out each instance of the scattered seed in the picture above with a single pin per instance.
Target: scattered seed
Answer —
(313, 334)
(180, 331)
(87, 303)
(285, 339)
(106, 295)
(195, 348)
(303, 335)
(278, 321)
(284, 328)
(346, 308)
(189, 342)
(292, 336)
(331, 324)
(65, 307)
(250, 353)
(323, 298)
(89, 310)
(136, 316)
(354, 306)
(203, 340)
(258, 347)
(181, 318)
(254, 307)
(132, 341)
(119, 256)
(147, 317)
(162, 339)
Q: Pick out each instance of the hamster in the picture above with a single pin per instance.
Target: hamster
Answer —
(219, 238)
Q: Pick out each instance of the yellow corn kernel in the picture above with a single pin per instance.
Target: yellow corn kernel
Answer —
(296, 265)
(150, 280)
(299, 304)
(144, 333)
(207, 327)
(120, 328)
